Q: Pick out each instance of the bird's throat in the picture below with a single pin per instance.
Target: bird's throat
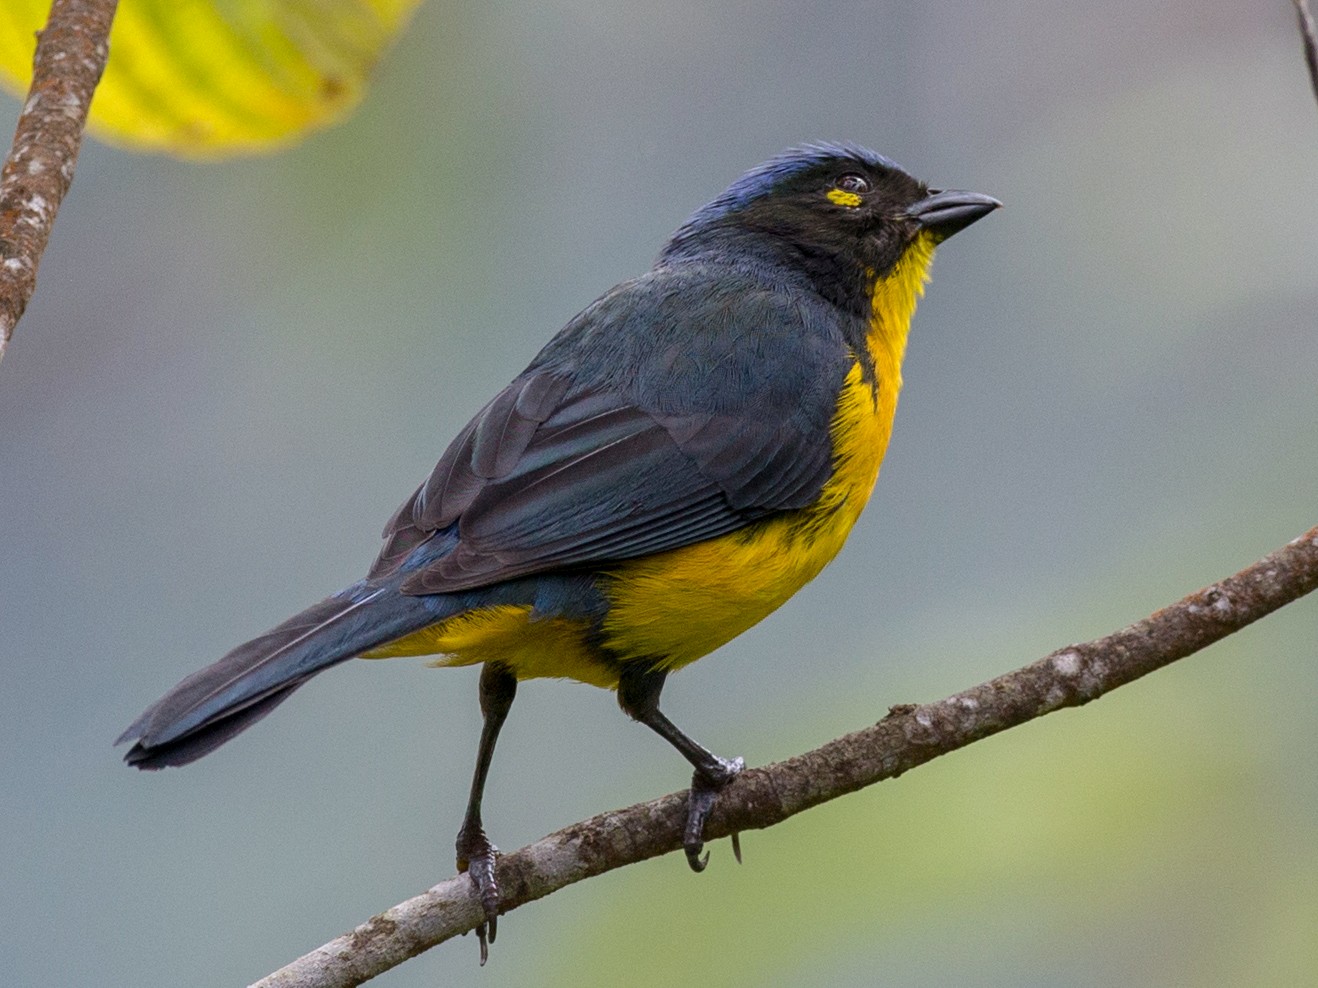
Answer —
(892, 304)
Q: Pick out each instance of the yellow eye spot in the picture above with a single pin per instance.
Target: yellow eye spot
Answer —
(843, 198)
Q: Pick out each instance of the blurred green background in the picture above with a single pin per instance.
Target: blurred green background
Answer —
(230, 376)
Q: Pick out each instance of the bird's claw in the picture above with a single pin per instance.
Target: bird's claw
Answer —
(705, 787)
(476, 856)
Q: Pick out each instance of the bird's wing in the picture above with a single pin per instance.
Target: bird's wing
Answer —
(553, 473)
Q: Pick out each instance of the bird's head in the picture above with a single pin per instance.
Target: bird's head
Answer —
(843, 214)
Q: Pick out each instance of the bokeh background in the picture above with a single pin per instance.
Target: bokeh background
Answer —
(231, 374)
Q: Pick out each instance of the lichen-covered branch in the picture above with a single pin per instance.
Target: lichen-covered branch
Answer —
(907, 737)
(70, 58)
(1307, 32)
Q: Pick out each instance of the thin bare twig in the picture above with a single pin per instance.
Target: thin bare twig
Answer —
(906, 738)
(1310, 41)
(70, 57)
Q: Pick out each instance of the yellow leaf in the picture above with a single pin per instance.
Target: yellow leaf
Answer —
(213, 78)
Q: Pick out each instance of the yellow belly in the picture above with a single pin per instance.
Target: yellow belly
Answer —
(675, 607)
(509, 634)
(680, 605)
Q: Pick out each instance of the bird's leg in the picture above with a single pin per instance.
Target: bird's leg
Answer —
(638, 695)
(475, 852)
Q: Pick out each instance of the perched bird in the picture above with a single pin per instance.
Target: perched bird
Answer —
(680, 459)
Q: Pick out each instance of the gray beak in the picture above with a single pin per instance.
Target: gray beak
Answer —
(946, 213)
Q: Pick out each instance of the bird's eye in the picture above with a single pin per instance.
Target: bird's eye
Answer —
(852, 182)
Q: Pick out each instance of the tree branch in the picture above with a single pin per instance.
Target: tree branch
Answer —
(69, 60)
(908, 737)
(1307, 31)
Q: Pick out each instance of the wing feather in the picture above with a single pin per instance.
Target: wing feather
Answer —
(622, 441)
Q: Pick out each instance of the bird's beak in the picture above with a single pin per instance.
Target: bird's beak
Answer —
(946, 213)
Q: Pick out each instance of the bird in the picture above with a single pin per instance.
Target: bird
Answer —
(684, 455)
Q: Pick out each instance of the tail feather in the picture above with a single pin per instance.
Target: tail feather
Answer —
(212, 705)
(190, 747)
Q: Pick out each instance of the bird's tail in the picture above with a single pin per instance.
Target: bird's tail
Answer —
(212, 705)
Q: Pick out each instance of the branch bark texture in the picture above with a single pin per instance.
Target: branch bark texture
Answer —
(907, 737)
(70, 57)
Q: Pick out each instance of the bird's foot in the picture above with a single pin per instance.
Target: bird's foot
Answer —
(476, 856)
(705, 787)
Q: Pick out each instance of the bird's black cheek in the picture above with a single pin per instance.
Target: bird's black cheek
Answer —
(885, 246)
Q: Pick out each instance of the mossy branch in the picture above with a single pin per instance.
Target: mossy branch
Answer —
(70, 57)
(907, 737)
